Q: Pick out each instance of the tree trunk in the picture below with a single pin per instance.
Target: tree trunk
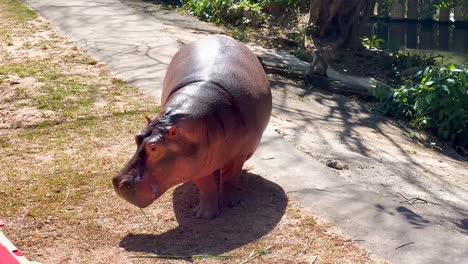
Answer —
(340, 21)
(444, 15)
(336, 24)
(412, 9)
(313, 11)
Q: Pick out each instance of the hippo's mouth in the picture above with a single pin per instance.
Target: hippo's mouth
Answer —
(138, 200)
(140, 203)
(138, 194)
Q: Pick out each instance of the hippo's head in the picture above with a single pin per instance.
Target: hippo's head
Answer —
(164, 158)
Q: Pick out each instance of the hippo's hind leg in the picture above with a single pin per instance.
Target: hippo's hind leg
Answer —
(229, 189)
(208, 207)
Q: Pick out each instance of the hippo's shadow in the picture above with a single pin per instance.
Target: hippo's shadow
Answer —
(262, 206)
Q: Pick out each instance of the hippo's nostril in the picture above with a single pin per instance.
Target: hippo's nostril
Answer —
(124, 184)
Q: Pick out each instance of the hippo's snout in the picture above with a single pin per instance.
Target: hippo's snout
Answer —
(133, 190)
(124, 186)
(121, 184)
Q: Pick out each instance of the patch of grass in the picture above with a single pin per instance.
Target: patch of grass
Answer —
(73, 152)
(117, 81)
(21, 93)
(307, 221)
(61, 93)
(27, 45)
(80, 58)
(5, 143)
(89, 61)
(21, 70)
(16, 12)
(72, 155)
(68, 95)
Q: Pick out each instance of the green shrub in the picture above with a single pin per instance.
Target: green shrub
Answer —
(372, 42)
(231, 12)
(434, 99)
(240, 12)
(280, 7)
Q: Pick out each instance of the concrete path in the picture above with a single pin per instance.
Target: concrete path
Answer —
(134, 45)
(365, 202)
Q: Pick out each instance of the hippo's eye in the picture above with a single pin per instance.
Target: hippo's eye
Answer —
(151, 145)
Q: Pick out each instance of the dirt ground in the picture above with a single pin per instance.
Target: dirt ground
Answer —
(422, 182)
(67, 126)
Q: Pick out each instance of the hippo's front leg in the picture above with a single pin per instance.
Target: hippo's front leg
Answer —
(208, 207)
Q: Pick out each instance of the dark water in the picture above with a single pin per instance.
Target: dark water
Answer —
(448, 40)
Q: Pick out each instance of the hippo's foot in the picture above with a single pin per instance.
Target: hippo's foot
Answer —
(208, 207)
(231, 194)
(206, 211)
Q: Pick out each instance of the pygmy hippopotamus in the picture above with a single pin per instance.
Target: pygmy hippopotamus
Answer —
(216, 103)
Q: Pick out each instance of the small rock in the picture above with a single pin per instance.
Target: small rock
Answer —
(14, 82)
(335, 165)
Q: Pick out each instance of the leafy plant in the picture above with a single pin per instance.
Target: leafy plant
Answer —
(243, 12)
(434, 99)
(372, 43)
(384, 6)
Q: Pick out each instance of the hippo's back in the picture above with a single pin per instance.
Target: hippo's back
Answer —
(228, 65)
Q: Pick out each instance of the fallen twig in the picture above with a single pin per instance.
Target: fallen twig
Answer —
(314, 259)
(406, 199)
(151, 223)
(21, 222)
(415, 200)
(66, 198)
(404, 245)
(306, 246)
(253, 255)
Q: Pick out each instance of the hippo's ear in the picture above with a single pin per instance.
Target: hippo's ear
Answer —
(148, 119)
(172, 133)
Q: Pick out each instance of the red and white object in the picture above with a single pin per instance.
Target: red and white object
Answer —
(9, 254)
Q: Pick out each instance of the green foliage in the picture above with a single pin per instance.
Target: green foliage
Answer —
(240, 12)
(372, 43)
(406, 60)
(237, 13)
(435, 99)
(242, 34)
(279, 7)
(292, 4)
(384, 7)
(17, 12)
(445, 3)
